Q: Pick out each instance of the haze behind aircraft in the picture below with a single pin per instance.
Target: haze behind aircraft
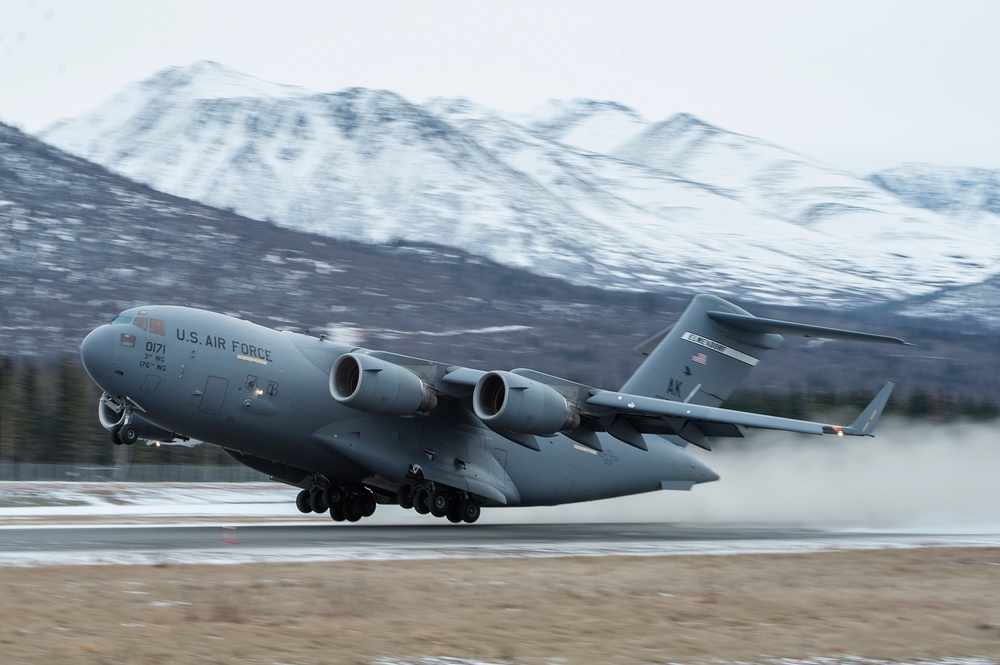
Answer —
(354, 428)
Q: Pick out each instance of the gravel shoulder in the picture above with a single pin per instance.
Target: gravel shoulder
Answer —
(896, 605)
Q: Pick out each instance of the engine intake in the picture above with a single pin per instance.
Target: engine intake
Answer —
(376, 386)
(508, 401)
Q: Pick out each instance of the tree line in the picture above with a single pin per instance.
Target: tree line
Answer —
(823, 404)
(48, 414)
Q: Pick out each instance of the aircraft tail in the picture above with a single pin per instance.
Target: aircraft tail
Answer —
(705, 356)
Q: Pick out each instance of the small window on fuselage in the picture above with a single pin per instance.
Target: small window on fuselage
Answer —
(128, 340)
(156, 327)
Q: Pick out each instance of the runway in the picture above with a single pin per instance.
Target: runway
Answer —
(222, 544)
(43, 524)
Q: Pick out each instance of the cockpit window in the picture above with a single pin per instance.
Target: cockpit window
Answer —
(156, 327)
(121, 319)
(140, 323)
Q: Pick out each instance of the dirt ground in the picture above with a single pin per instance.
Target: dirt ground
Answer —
(887, 604)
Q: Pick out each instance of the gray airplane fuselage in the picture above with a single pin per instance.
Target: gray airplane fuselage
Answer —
(265, 396)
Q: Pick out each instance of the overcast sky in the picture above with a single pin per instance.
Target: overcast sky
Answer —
(858, 84)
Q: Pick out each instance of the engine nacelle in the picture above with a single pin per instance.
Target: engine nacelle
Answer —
(508, 401)
(366, 383)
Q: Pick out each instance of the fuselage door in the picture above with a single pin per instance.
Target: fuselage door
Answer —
(215, 395)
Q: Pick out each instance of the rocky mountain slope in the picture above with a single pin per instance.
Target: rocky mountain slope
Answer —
(79, 244)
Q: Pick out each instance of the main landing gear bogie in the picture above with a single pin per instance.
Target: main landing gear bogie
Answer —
(344, 504)
(439, 501)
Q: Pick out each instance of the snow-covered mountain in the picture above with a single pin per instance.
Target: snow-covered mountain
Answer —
(958, 191)
(589, 125)
(582, 190)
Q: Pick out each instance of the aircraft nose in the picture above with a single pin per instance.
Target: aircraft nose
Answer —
(96, 352)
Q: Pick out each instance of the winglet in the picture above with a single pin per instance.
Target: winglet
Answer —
(865, 423)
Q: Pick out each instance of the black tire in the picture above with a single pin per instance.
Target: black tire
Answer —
(352, 509)
(302, 502)
(367, 504)
(128, 435)
(404, 495)
(316, 502)
(337, 512)
(115, 439)
(420, 501)
(454, 514)
(334, 495)
(470, 511)
(438, 503)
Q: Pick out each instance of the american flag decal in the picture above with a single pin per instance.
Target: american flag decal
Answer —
(700, 358)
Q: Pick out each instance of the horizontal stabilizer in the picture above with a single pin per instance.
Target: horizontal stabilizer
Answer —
(756, 324)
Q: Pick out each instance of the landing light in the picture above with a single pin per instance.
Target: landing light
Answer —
(259, 392)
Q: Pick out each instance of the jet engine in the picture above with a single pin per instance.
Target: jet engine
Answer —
(508, 401)
(366, 383)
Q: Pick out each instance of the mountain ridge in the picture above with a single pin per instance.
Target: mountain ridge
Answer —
(78, 244)
(732, 214)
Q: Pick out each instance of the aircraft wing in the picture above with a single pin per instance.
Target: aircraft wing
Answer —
(696, 423)
(523, 404)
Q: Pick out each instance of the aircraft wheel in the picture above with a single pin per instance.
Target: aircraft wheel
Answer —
(470, 511)
(115, 439)
(367, 504)
(404, 495)
(337, 512)
(316, 502)
(420, 501)
(454, 513)
(352, 509)
(302, 502)
(438, 503)
(128, 435)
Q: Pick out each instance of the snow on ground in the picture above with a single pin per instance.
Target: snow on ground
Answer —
(72, 503)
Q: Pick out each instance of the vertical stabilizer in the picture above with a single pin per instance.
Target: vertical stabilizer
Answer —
(699, 360)
(703, 357)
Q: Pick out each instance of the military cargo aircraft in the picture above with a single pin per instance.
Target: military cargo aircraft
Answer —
(354, 428)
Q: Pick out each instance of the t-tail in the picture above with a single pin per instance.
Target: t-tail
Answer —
(705, 356)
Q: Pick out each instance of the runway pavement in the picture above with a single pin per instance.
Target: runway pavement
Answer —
(146, 544)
